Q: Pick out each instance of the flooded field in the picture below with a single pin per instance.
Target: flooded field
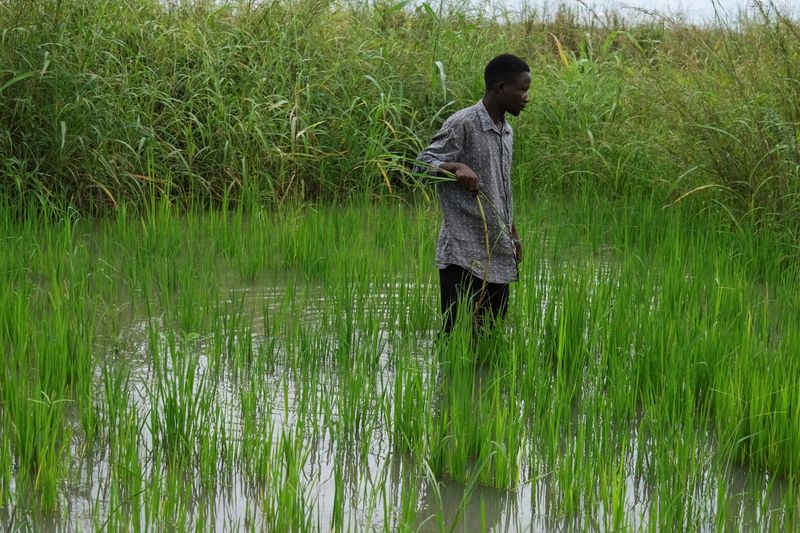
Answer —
(262, 373)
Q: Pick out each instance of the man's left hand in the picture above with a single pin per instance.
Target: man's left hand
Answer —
(517, 244)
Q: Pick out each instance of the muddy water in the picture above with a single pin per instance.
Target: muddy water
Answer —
(375, 476)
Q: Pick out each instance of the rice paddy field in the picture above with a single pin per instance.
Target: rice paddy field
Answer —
(281, 371)
(220, 308)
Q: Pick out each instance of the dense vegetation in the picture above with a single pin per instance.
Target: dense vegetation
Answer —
(254, 369)
(106, 102)
(218, 271)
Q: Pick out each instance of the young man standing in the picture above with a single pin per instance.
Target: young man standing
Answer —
(479, 249)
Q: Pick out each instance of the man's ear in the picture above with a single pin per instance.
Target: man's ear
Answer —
(498, 87)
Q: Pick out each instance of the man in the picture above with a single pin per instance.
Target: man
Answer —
(479, 249)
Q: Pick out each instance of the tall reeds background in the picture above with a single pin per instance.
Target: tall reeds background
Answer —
(113, 101)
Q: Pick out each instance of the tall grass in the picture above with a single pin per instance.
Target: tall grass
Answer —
(114, 102)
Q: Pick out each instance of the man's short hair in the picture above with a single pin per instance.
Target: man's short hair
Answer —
(503, 68)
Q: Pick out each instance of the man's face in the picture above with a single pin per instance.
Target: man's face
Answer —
(514, 94)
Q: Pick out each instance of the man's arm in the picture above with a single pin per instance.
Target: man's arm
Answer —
(441, 157)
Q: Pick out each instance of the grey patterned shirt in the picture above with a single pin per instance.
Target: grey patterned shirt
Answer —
(470, 136)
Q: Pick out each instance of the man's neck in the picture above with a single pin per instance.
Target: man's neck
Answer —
(495, 113)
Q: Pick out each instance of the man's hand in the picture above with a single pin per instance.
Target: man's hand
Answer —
(517, 244)
(518, 251)
(468, 179)
(464, 175)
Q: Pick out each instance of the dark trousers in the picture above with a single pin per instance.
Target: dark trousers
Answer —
(459, 287)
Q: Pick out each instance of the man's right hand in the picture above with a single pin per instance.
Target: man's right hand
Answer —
(468, 179)
(464, 175)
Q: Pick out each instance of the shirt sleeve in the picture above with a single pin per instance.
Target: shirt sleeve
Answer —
(445, 147)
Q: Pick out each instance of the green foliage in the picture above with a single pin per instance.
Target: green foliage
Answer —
(294, 352)
(285, 343)
(106, 103)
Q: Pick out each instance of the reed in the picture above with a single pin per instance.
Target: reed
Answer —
(217, 103)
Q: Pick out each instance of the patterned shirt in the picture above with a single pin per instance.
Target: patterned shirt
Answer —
(470, 136)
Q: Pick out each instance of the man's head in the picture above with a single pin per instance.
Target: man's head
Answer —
(508, 79)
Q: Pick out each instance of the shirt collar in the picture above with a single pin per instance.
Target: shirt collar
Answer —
(487, 124)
